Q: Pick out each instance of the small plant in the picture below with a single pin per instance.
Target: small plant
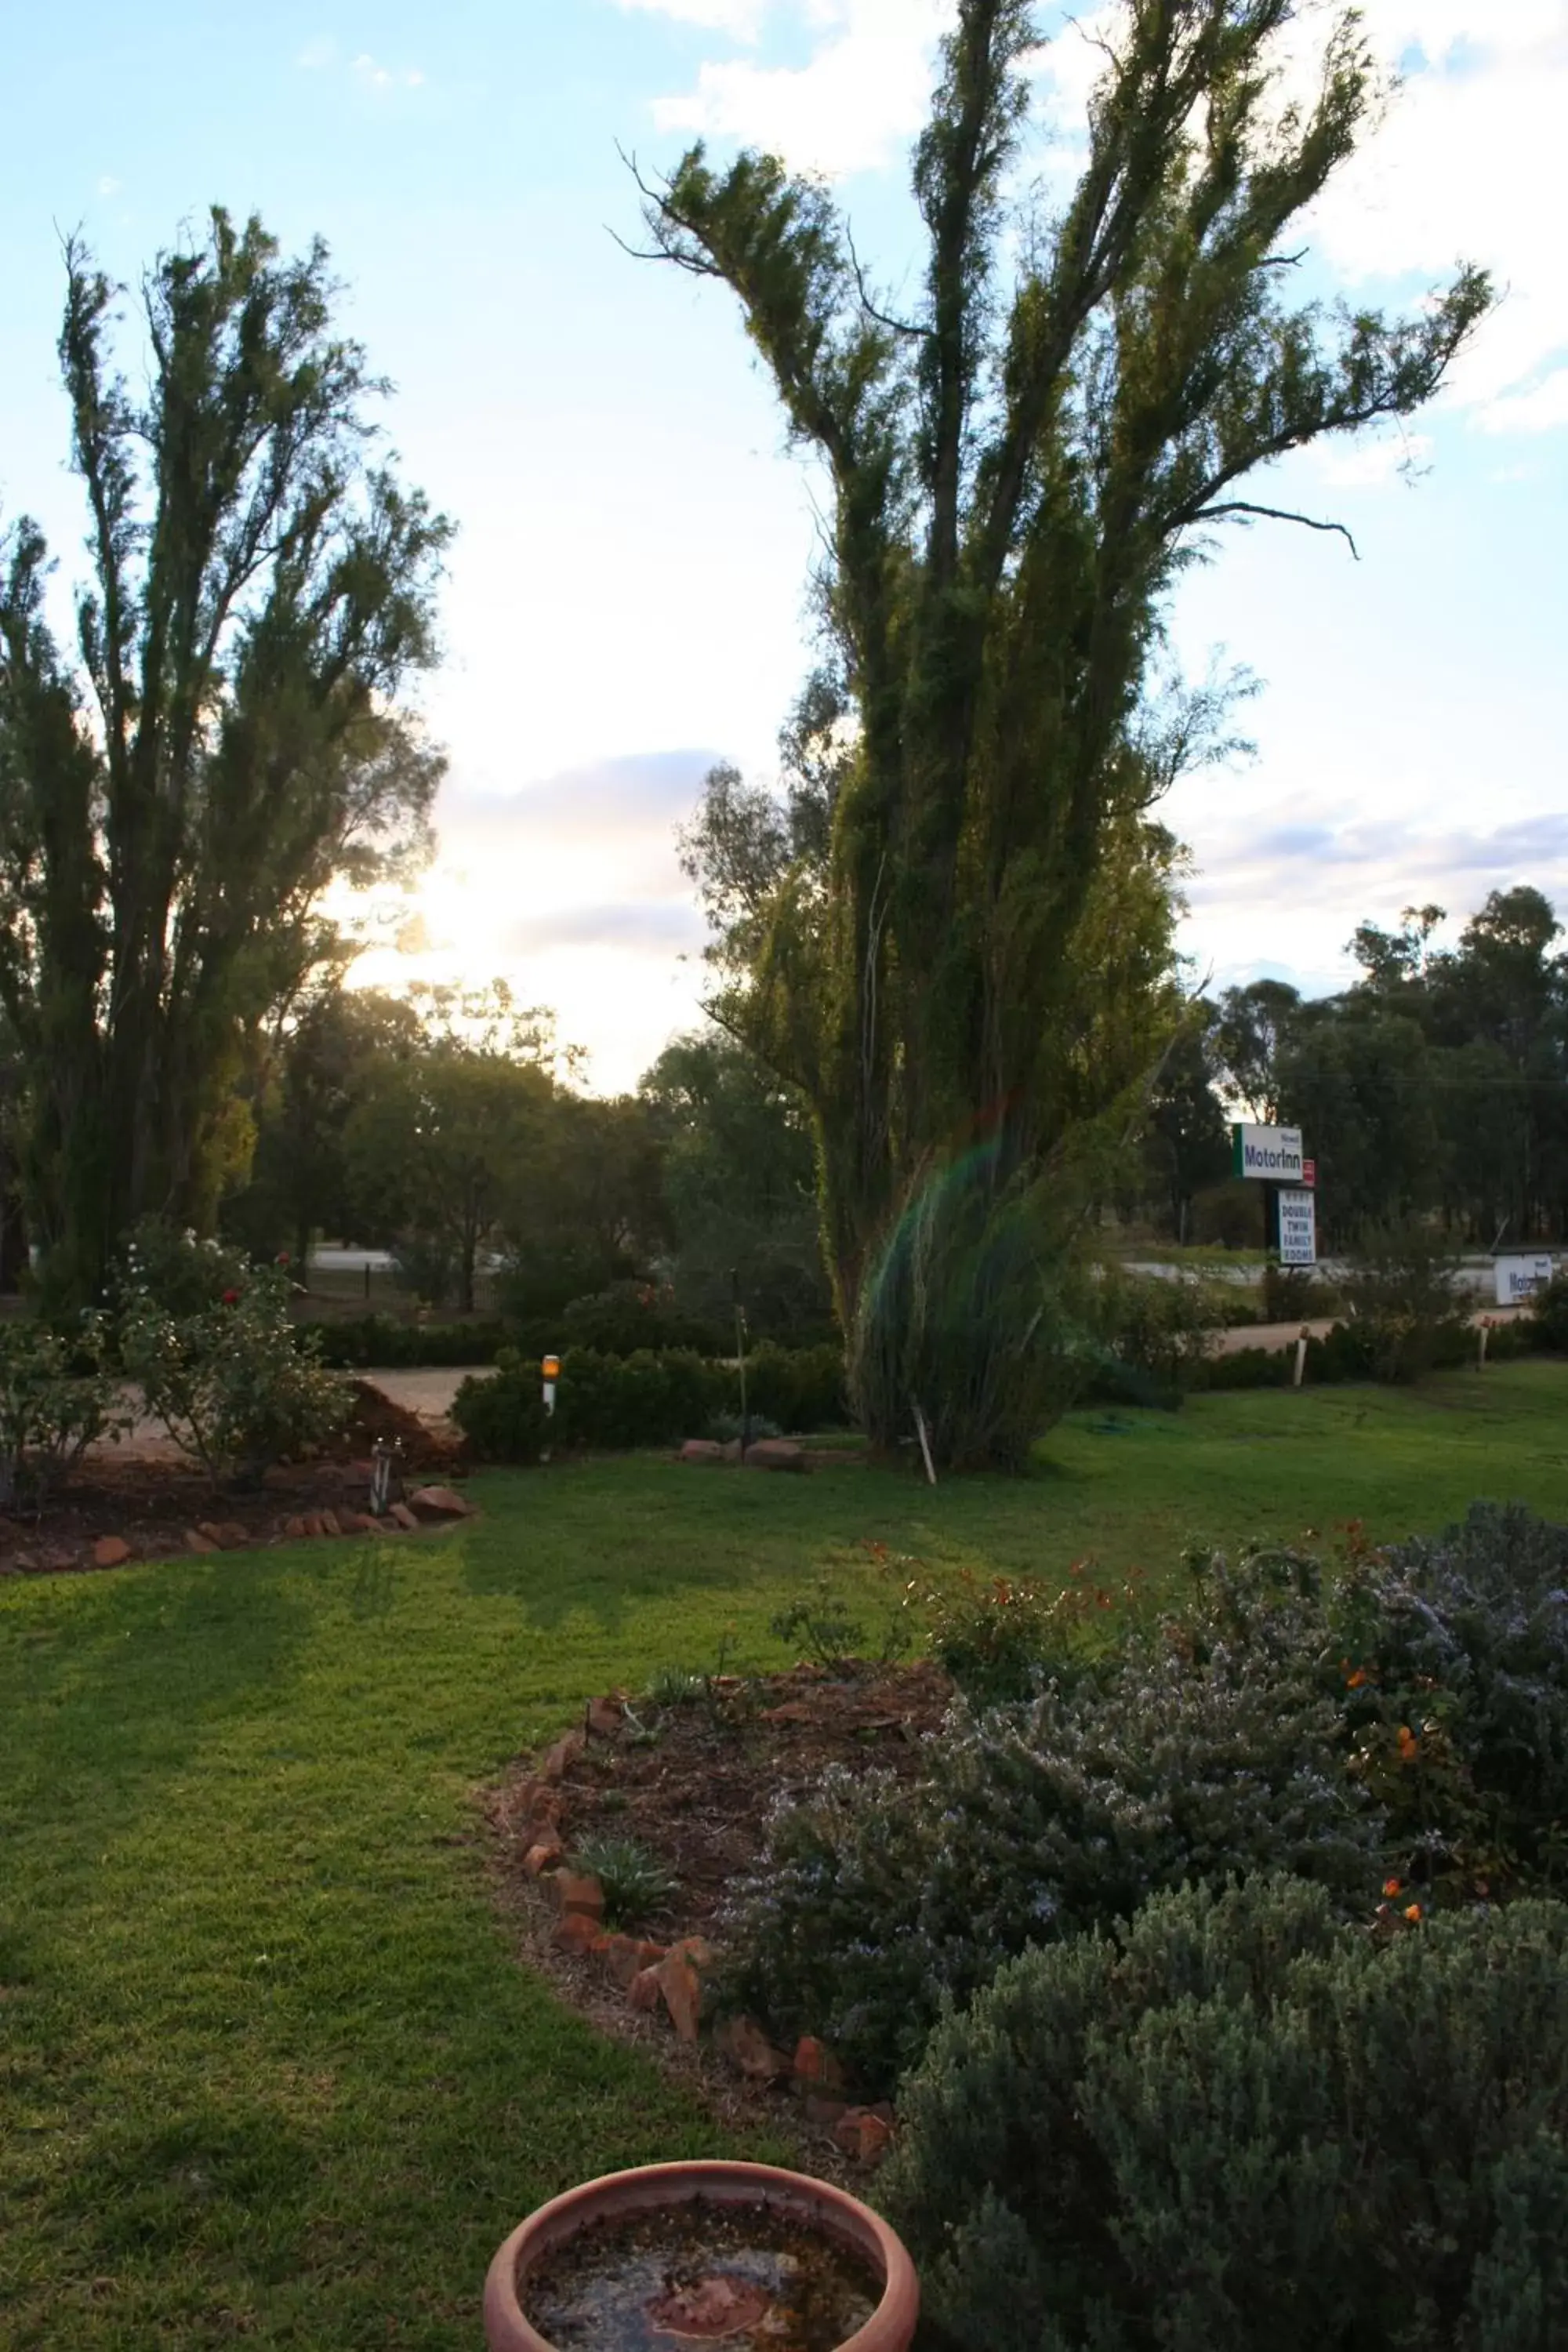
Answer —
(1003, 1638)
(56, 1400)
(675, 1686)
(822, 1628)
(729, 1428)
(636, 1882)
(231, 1382)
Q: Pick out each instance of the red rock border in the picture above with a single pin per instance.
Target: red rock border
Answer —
(428, 1509)
(670, 1979)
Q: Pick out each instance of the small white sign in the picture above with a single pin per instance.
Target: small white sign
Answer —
(1273, 1153)
(1297, 1229)
(1519, 1279)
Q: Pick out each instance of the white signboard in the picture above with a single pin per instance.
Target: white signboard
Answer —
(1273, 1153)
(1297, 1229)
(1519, 1278)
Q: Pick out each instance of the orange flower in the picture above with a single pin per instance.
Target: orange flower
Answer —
(1413, 1911)
(1409, 1746)
(1354, 1682)
(1392, 1886)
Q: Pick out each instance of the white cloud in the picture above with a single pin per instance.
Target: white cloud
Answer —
(1470, 163)
(317, 56)
(109, 185)
(741, 18)
(1368, 465)
(864, 90)
(1536, 411)
(570, 888)
(372, 76)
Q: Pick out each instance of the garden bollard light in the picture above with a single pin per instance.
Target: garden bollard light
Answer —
(551, 1368)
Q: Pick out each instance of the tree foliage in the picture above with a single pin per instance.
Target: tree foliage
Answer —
(1017, 473)
(225, 738)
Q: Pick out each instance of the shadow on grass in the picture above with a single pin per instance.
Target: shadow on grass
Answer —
(121, 1678)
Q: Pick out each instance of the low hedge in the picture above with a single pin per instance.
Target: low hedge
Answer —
(647, 1398)
(383, 1343)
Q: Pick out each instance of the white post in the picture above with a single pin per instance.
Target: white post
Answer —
(1482, 1356)
(1300, 1370)
(925, 1442)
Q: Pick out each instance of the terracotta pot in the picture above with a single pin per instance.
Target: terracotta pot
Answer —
(815, 2202)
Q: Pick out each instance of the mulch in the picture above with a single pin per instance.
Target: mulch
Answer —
(153, 1501)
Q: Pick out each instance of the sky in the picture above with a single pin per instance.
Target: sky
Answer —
(625, 601)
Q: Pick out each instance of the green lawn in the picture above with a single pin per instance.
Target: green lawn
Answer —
(268, 2066)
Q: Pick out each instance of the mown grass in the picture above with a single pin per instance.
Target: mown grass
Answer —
(268, 2066)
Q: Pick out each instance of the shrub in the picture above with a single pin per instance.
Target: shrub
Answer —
(607, 1401)
(639, 1400)
(1403, 1301)
(630, 1318)
(646, 1398)
(1549, 1314)
(1296, 1294)
(503, 1414)
(978, 1273)
(1158, 1330)
(1205, 1750)
(1237, 2122)
(174, 1270)
(731, 1429)
(232, 1382)
(56, 1400)
(1405, 1720)
(383, 1342)
(1002, 1638)
(1250, 1368)
(1463, 1638)
(800, 1388)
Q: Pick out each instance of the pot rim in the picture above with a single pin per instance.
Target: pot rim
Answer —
(648, 2187)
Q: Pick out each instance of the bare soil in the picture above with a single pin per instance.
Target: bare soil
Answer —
(694, 1782)
(147, 1495)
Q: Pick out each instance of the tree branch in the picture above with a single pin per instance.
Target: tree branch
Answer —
(895, 326)
(1274, 514)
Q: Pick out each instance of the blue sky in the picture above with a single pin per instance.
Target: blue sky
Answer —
(626, 599)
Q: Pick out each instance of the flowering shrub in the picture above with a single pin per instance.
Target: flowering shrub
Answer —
(169, 1266)
(1455, 1653)
(1179, 1758)
(1401, 1723)
(233, 1384)
(56, 1400)
(1235, 2122)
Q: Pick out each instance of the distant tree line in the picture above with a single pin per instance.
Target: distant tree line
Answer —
(1436, 1085)
(447, 1127)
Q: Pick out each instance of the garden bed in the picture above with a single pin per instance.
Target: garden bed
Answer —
(142, 1501)
(692, 1781)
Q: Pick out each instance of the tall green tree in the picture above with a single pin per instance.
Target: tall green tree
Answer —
(438, 1146)
(325, 1063)
(739, 1176)
(226, 738)
(1017, 471)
